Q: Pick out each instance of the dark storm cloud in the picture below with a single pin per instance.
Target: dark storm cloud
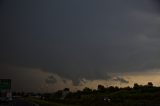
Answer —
(1, 2)
(82, 38)
(157, 4)
(23, 79)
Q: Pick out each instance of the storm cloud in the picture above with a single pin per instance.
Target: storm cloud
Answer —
(51, 80)
(81, 39)
(36, 80)
(120, 79)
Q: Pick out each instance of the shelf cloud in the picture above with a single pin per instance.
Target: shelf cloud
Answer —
(77, 40)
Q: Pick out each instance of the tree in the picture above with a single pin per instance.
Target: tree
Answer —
(127, 88)
(58, 94)
(101, 88)
(87, 90)
(150, 84)
(66, 89)
(112, 89)
(136, 86)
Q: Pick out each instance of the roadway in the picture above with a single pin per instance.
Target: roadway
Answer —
(19, 102)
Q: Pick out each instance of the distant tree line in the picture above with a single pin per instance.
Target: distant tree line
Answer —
(103, 95)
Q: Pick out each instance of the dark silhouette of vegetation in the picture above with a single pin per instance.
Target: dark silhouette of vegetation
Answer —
(138, 95)
(101, 87)
(66, 89)
(150, 84)
(87, 90)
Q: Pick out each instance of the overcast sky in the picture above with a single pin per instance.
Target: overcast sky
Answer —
(78, 39)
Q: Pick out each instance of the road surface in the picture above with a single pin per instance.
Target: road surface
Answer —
(19, 102)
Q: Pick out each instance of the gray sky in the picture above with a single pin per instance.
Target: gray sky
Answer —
(81, 38)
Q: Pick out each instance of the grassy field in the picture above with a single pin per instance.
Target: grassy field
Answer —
(45, 103)
(116, 101)
(147, 95)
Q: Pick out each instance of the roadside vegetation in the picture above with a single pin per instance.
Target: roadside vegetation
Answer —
(138, 95)
(44, 103)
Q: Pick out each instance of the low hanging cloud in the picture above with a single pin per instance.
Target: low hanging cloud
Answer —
(33, 79)
(120, 79)
(51, 80)
(29, 79)
(36, 80)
